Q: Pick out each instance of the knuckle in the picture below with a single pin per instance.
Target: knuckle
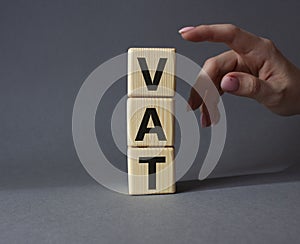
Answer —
(276, 99)
(269, 44)
(205, 29)
(211, 66)
(211, 63)
(233, 29)
(254, 87)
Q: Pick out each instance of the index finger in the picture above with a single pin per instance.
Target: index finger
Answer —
(237, 39)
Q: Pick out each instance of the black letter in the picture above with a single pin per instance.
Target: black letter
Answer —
(152, 169)
(157, 126)
(152, 85)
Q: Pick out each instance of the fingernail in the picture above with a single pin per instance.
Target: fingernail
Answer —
(185, 29)
(203, 121)
(230, 84)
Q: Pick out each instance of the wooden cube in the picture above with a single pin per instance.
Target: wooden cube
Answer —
(151, 170)
(150, 122)
(151, 72)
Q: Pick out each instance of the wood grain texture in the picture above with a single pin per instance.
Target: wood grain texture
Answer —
(136, 112)
(136, 82)
(138, 173)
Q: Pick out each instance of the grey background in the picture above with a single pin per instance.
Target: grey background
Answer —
(47, 50)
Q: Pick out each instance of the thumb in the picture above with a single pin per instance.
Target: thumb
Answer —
(245, 85)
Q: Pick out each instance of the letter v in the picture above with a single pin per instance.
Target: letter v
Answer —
(152, 85)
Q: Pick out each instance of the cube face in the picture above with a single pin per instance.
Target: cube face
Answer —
(151, 72)
(150, 122)
(151, 170)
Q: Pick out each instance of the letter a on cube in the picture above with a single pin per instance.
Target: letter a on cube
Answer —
(150, 122)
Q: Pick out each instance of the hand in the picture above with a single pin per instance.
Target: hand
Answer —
(254, 68)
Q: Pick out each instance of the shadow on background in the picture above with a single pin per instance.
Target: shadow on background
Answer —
(292, 174)
(75, 176)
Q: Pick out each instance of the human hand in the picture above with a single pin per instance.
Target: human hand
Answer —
(253, 68)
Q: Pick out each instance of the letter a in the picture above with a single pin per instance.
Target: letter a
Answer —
(150, 112)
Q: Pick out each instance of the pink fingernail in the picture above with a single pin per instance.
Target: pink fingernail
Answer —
(185, 29)
(230, 84)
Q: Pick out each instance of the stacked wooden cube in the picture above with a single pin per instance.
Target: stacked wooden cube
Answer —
(150, 120)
